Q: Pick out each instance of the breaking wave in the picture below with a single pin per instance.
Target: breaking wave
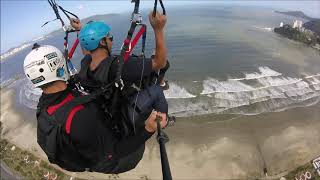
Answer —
(177, 92)
(14, 51)
(7, 82)
(29, 95)
(23, 46)
(264, 72)
(260, 92)
(40, 38)
(264, 28)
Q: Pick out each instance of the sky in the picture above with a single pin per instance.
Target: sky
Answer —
(21, 20)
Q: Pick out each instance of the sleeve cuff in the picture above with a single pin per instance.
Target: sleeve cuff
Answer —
(146, 134)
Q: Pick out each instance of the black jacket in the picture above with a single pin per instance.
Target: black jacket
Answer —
(78, 137)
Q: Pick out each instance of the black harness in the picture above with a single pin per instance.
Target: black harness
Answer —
(92, 81)
(126, 49)
(53, 139)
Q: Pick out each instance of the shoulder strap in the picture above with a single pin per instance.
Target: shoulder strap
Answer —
(50, 130)
(66, 108)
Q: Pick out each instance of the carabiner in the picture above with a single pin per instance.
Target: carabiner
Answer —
(136, 18)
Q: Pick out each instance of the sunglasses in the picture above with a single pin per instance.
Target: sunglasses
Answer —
(110, 37)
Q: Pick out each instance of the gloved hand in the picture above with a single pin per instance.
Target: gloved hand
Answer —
(75, 23)
(151, 122)
(158, 22)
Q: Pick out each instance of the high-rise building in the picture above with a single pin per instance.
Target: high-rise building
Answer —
(297, 24)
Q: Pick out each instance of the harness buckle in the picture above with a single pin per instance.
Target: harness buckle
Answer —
(121, 85)
(129, 48)
(67, 28)
(136, 18)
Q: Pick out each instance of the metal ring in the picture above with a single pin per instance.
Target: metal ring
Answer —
(54, 178)
(304, 177)
(26, 158)
(308, 175)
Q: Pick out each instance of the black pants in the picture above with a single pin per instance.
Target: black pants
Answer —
(130, 161)
(141, 105)
(138, 110)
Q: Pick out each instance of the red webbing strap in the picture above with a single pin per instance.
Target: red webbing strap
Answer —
(134, 42)
(70, 117)
(74, 110)
(74, 47)
(54, 108)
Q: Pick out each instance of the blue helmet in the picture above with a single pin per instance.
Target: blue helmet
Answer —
(91, 34)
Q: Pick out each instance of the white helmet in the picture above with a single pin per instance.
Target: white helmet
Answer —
(45, 64)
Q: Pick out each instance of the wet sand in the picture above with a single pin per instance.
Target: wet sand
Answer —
(206, 147)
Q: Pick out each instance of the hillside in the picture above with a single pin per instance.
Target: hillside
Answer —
(298, 14)
(294, 34)
(313, 26)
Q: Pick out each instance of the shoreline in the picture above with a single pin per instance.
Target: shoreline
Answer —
(206, 147)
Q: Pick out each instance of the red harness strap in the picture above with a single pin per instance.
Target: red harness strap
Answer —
(70, 117)
(54, 108)
(74, 47)
(134, 42)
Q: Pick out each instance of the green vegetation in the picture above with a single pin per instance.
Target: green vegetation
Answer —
(27, 168)
(300, 171)
(313, 26)
(295, 34)
(28, 165)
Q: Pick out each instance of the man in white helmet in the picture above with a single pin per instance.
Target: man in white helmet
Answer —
(71, 128)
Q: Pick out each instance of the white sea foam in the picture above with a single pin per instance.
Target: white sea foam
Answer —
(29, 95)
(7, 82)
(14, 51)
(213, 86)
(316, 87)
(23, 46)
(176, 91)
(245, 107)
(311, 76)
(269, 92)
(264, 28)
(39, 38)
(263, 72)
(313, 80)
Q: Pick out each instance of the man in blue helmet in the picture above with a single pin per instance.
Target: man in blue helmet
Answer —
(99, 69)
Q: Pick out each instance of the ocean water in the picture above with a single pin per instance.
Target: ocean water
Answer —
(224, 60)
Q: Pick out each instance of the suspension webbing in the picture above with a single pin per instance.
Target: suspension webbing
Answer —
(68, 55)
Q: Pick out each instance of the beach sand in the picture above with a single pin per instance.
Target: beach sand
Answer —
(205, 147)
